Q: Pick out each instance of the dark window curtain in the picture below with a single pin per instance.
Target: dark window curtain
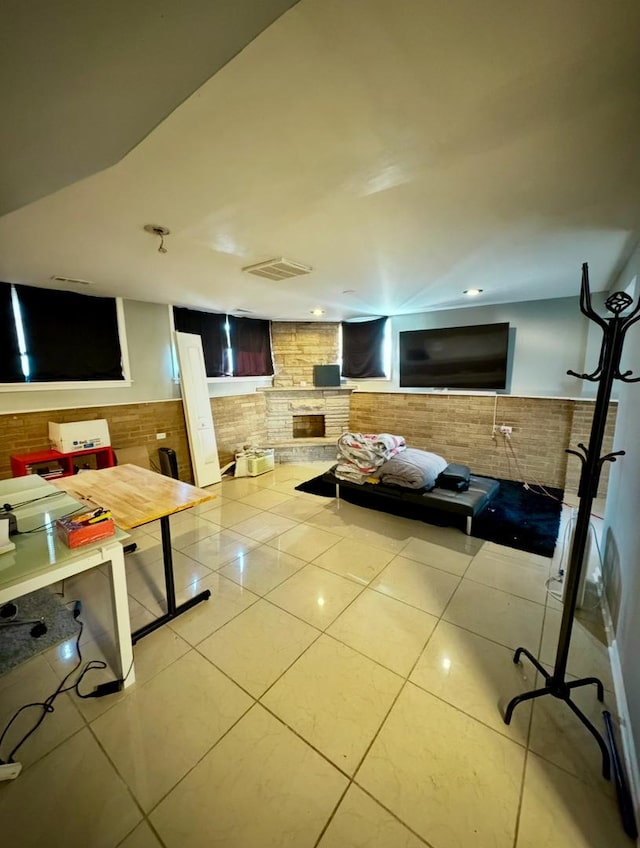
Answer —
(70, 336)
(251, 346)
(210, 326)
(362, 351)
(10, 370)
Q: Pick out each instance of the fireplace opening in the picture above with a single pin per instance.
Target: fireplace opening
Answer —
(308, 426)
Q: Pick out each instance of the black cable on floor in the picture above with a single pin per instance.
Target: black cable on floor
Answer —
(47, 705)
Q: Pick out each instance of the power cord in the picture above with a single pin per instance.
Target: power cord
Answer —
(561, 573)
(47, 705)
(10, 507)
(559, 577)
(51, 523)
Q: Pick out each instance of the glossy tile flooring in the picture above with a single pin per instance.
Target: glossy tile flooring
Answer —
(341, 688)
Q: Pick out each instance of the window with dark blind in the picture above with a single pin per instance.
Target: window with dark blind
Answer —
(60, 336)
(70, 336)
(251, 347)
(10, 366)
(363, 348)
(212, 329)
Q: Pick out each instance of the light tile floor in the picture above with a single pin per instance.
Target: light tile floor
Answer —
(342, 688)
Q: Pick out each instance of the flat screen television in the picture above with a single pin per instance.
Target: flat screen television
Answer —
(472, 357)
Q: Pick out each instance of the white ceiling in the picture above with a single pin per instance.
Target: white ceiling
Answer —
(405, 149)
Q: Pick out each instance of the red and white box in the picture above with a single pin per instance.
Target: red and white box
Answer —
(78, 530)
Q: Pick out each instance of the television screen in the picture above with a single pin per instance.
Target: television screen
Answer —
(455, 357)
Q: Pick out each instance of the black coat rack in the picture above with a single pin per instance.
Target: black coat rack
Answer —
(613, 333)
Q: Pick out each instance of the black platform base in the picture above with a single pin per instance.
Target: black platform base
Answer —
(169, 616)
(562, 690)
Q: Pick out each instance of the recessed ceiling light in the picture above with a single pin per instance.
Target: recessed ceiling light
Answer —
(317, 311)
(472, 292)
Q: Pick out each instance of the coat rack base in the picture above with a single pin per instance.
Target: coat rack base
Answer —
(561, 689)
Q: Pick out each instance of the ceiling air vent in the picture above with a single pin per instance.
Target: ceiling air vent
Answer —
(58, 279)
(278, 269)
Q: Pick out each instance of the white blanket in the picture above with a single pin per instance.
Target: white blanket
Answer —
(361, 454)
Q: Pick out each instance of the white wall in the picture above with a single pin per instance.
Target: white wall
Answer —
(551, 336)
(150, 357)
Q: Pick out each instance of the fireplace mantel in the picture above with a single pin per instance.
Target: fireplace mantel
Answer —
(287, 390)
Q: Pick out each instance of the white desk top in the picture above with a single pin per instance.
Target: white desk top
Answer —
(41, 551)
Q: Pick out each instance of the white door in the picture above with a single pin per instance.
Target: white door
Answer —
(197, 409)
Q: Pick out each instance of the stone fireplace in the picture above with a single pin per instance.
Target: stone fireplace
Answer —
(304, 423)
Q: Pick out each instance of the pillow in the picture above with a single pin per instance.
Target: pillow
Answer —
(413, 469)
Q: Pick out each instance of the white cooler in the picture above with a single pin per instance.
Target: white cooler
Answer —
(254, 461)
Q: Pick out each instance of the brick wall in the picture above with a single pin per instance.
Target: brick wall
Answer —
(298, 346)
(459, 428)
(130, 425)
(238, 420)
(580, 432)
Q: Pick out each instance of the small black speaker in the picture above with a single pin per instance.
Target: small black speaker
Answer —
(326, 376)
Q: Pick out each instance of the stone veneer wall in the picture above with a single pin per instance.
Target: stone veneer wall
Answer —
(298, 346)
(459, 428)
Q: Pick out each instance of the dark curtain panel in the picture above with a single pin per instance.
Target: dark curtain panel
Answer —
(70, 336)
(362, 353)
(10, 369)
(251, 346)
(210, 326)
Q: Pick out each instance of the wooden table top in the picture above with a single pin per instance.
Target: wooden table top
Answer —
(134, 495)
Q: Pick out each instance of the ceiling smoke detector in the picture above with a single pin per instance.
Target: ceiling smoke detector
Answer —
(278, 269)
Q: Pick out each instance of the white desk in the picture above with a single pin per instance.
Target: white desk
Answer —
(41, 558)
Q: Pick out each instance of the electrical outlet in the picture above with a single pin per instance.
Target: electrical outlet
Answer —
(505, 430)
(161, 436)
